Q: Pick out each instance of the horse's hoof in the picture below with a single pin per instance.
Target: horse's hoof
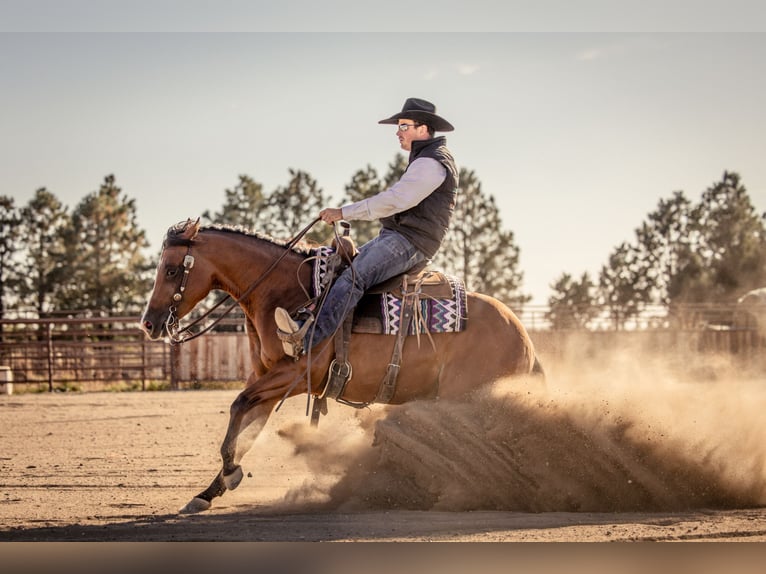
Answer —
(195, 505)
(232, 480)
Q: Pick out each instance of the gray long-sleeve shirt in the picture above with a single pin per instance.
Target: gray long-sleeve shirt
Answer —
(422, 177)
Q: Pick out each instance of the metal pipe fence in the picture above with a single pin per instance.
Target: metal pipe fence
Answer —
(84, 353)
(58, 352)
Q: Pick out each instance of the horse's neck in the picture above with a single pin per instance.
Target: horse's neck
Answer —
(275, 269)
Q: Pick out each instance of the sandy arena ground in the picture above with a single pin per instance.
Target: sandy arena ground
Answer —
(676, 461)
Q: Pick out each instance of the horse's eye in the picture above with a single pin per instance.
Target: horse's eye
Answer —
(171, 272)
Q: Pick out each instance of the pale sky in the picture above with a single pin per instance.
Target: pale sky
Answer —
(577, 127)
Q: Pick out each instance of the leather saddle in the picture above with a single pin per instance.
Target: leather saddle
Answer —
(428, 283)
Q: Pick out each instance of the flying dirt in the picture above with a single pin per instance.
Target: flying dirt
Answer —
(628, 435)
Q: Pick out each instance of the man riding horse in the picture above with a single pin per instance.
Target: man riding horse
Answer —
(260, 274)
(414, 213)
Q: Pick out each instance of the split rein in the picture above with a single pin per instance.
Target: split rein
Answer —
(176, 334)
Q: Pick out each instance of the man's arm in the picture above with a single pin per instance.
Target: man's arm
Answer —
(422, 177)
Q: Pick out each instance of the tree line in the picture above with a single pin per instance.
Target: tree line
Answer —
(94, 257)
(90, 258)
(683, 254)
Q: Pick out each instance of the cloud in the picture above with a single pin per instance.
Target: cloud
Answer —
(461, 68)
(591, 54)
(467, 69)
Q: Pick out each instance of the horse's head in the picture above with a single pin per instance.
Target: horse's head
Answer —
(180, 284)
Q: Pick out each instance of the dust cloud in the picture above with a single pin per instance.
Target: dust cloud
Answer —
(625, 433)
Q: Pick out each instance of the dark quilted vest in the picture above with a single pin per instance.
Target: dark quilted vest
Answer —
(426, 224)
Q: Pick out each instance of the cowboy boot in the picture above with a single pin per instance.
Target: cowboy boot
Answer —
(291, 333)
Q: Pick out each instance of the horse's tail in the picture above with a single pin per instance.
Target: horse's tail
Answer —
(537, 370)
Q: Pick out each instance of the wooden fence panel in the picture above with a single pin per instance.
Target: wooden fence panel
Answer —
(215, 357)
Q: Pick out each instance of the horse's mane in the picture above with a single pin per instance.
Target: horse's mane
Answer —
(177, 236)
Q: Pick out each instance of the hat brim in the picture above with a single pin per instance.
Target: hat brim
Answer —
(438, 123)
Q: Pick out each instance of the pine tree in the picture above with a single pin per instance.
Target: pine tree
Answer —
(43, 221)
(711, 252)
(573, 303)
(731, 244)
(107, 269)
(364, 184)
(665, 243)
(292, 207)
(622, 285)
(245, 205)
(478, 249)
(395, 170)
(9, 245)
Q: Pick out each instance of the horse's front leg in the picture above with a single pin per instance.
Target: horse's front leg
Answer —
(204, 499)
(248, 415)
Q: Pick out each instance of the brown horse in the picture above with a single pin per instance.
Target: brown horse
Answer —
(266, 274)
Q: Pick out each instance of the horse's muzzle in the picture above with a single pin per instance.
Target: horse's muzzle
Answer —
(154, 329)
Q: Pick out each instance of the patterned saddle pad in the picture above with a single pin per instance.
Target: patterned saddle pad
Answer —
(442, 302)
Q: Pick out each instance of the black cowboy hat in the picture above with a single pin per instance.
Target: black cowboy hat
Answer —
(420, 111)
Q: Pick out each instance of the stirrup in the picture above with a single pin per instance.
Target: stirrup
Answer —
(290, 333)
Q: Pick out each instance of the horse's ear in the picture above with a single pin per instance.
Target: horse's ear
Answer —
(190, 229)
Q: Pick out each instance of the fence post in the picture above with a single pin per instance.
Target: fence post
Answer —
(143, 364)
(6, 380)
(175, 365)
(49, 345)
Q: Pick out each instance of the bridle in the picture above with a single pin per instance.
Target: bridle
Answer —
(171, 324)
(177, 334)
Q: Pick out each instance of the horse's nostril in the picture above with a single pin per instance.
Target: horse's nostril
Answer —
(148, 325)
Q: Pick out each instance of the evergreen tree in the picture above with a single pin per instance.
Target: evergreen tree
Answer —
(9, 245)
(108, 271)
(623, 286)
(43, 220)
(476, 247)
(731, 245)
(245, 205)
(395, 171)
(573, 303)
(712, 252)
(364, 184)
(294, 206)
(666, 245)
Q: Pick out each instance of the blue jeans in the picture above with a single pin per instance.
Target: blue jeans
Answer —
(386, 256)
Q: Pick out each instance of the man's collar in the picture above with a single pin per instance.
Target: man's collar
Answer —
(418, 145)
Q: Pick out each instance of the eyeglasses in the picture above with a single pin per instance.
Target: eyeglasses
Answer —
(405, 127)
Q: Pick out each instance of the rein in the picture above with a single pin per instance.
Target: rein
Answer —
(176, 335)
